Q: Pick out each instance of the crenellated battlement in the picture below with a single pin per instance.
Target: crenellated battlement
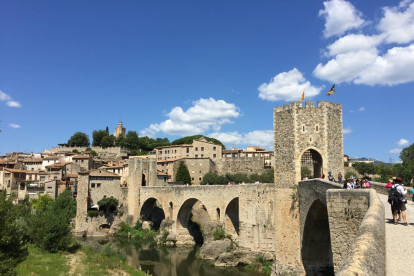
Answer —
(309, 104)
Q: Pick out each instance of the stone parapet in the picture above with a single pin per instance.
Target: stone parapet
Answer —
(379, 187)
(367, 255)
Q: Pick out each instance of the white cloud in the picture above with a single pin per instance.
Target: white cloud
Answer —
(13, 104)
(340, 16)
(4, 96)
(205, 114)
(403, 143)
(14, 126)
(398, 24)
(354, 43)
(361, 108)
(347, 130)
(8, 99)
(395, 151)
(230, 139)
(287, 86)
(395, 67)
(346, 67)
(261, 138)
(356, 58)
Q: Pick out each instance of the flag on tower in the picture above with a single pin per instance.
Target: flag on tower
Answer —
(303, 96)
(332, 91)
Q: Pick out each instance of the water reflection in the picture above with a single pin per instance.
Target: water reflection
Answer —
(170, 261)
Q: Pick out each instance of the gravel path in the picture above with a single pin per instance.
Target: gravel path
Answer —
(399, 238)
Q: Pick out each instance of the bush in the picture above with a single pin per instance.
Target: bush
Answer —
(348, 175)
(219, 234)
(50, 229)
(94, 213)
(108, 204)
(76, 151)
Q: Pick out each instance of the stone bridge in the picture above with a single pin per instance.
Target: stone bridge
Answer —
(246, 211)
(330, 220)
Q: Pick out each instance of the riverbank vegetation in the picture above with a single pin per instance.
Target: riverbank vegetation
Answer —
(136, 232)
(36, 239)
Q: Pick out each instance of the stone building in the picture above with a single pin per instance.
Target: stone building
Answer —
(201, 148)
(306, 136)
(120, 130)
(84, 161)
(33, 164)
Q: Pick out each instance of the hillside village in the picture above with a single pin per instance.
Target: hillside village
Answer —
(52, 171)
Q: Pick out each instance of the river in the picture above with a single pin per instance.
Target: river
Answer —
(169, 261)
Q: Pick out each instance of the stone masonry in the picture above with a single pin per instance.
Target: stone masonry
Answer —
(296, 130)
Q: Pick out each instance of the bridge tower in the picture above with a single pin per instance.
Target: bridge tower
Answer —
(142, 172)
(303, 136)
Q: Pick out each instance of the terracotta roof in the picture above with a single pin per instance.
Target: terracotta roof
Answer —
(81, 157)
(51, 157)
(7, 162)
(103, 173)
(32, 172)
(161, 173)
(232, 151)
(71, 175)
(58, 165)
(15, 170)
(32, 160)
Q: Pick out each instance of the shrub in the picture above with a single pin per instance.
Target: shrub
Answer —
(219, 234)
(108, 204)
(75, 151)
(94, 213)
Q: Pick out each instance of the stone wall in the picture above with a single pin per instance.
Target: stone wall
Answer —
(107, 152)
(247, 165)
(379, 187)
(367, 255)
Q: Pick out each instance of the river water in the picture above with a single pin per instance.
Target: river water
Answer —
(169, 261)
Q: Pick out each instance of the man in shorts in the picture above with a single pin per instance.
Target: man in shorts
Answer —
(399, 204)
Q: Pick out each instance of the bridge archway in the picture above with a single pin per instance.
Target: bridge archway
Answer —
(191, 216)
(313, 161)
(152, 211)
(232, 221)
(316, 250)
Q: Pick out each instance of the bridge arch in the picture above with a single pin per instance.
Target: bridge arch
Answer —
(231, 220)
(312, 158)
(316, 250)
(152, 211)
(191, 216)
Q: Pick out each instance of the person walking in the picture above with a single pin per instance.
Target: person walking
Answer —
(399, 201)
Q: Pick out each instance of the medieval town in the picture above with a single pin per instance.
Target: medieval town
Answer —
(107, 173)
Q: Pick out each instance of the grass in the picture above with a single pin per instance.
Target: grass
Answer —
(45, 264)
(260, 264)
(85, 262)
(219, 234)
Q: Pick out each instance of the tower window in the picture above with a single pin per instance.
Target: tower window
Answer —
(303, 128)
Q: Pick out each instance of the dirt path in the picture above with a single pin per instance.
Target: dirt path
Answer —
(399, 240)
(75, 263)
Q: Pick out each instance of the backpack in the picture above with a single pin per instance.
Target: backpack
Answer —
(394, 196)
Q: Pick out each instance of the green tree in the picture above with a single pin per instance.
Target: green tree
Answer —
(97, 136)
(41, 202)
(209, 177)
(132, 140)
(364, 168)
(107, 130)
(79, 139)
(108, 141)
(108, 204)
(120, 141)
(50, 229)
(12, 249)
(189, 140)
(183, 174)
(75, 151)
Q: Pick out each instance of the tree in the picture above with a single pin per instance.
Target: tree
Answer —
(364, 168)
(41, 202)
(108, 141)
(107, 130)
(97, 136)
(305, 171)
(120, 141)
(12, 249)
(132, 140)
(79, 139)
(50, 229)
(182, 173)
(108, 204)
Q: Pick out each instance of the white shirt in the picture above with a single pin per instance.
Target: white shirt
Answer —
(400, 189)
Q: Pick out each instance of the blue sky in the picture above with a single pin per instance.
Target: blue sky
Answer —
(176, 68)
